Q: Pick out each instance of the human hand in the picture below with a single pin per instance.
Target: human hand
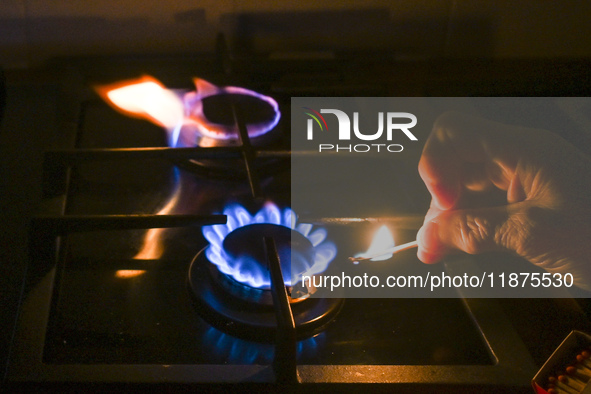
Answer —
(545, 215)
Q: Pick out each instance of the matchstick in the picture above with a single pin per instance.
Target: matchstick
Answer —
(583, 361)
(391, 250)
(560, 386)
(578, 386)
(579, 372)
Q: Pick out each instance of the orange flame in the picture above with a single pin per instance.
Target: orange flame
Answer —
(125, 274)
(144, 98)
(152, 247)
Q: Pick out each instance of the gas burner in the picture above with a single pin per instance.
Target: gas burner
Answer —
(209, 116)
(247, 312)
(233, 169)
(230, 280)
(190, 118)
(231, 250)
(243, 247)
(217, 114)
(212, 111)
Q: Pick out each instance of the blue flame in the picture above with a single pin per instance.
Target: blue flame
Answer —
(239, 351)
(174, 134)
(248, 271)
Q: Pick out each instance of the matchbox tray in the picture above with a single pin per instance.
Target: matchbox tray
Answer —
(568, 354)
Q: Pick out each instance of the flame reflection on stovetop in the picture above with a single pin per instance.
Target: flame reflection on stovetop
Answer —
(241, 351)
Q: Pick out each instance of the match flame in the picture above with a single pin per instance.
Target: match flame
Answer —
(382, 240)
(145, 98)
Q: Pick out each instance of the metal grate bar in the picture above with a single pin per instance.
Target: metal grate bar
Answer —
(248, 154)
(61, 225)
(405, 222)
(73, 156)
(284, 361)
(45, 230)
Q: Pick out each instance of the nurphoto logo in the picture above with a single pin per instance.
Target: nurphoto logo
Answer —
(393, 126)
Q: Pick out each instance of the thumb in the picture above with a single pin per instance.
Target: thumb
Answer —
(475, 231)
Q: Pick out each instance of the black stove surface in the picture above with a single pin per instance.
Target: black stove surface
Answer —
(118, 299)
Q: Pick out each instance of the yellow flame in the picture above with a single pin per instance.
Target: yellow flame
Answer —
(382, 240)
(144, 98)
(125, 274)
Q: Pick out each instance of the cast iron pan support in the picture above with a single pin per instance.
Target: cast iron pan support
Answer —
(284, 360)
(248, 153)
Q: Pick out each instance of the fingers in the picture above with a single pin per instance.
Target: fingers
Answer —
(466, 152)
(439, 169)
(474, 231)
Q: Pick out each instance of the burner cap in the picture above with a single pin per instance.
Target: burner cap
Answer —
(296, 252)
(218, 108)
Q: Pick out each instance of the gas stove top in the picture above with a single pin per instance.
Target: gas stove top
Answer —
(119, 288)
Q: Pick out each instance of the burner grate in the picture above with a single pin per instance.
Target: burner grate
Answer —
(46, 231)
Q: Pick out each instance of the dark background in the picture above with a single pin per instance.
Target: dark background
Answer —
(32, 31)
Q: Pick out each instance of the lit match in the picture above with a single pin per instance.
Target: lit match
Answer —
(389, 251)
